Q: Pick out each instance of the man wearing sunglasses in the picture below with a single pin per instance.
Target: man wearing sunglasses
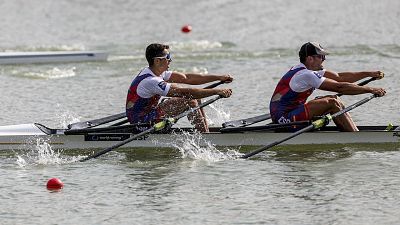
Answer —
(288, 102)
(154, 81)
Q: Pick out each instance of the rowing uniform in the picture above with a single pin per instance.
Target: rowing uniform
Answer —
(288, 103)
(143, 96)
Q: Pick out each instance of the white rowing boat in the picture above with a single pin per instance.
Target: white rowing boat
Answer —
(23, 136)
(96, 134)
(51, 57)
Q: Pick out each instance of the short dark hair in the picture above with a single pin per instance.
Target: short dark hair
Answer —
(155, 50)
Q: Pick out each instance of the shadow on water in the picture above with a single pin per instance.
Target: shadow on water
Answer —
(279, 153)
(318, 152)
(161, 156)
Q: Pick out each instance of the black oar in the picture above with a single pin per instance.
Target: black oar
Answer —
(246, 122)
(362, 83)
(315, 125)
(214, 84)
(252, 120)
(96, 122)
(108, 119)
(156, 127)
(271, 126)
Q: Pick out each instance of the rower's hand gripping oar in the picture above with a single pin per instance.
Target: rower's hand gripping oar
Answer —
(156, 127)
(230, 125)
(108, 119)
(314, 125)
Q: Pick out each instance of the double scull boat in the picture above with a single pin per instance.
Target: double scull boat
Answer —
(21, 136)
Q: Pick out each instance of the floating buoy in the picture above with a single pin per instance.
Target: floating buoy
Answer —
(54, 184)
(186, 29)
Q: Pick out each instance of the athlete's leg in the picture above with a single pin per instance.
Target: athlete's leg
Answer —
(203, 114)
(331, 104)
(175, 106)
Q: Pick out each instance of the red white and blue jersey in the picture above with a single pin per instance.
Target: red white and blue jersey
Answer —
(291, 93)
(144, 94)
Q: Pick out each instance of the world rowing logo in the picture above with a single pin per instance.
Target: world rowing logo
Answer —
(112, 137)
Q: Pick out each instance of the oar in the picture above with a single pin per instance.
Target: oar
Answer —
(314, 125)
(214, 85)
(156, 127)
(96, 122)
(108, 119)
(271, 126)
(246, 122)
(362, 83)
(252, 120)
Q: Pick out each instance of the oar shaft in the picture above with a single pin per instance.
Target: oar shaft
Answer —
(252, 120)
(107, 119)
(270, 126)
(362, 83)
(156, 127)
(214, 85)
(118, 145)
(353, 106)
(246, 122)
(191, 110)
(297, 133)
(96, 122)
(316, 124)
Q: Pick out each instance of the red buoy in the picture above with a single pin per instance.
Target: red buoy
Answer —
(186, 29)
(54, 184)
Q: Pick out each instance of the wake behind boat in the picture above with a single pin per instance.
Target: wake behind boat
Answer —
(51, 57)
(21, 136)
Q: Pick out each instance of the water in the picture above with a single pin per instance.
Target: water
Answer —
(255, 41)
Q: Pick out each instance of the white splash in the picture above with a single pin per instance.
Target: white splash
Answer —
(218, 115)
(41, 154)
(73, 47)
(54, 73)
(194, 146)
(201, 70)
(66, 117)
(195, 45)
(124, 57)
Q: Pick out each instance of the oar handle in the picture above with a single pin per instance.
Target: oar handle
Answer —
(214, 84)
(366, 81)
(362, 83)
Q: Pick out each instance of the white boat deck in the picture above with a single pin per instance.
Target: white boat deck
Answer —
(25, 135)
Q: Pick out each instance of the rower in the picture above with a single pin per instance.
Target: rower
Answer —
(154, 81)
(288, 102)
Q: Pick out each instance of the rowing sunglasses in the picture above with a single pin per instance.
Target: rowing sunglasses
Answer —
(167, 57)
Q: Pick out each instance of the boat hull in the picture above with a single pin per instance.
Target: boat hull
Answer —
(51, 57)
(29, 135)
